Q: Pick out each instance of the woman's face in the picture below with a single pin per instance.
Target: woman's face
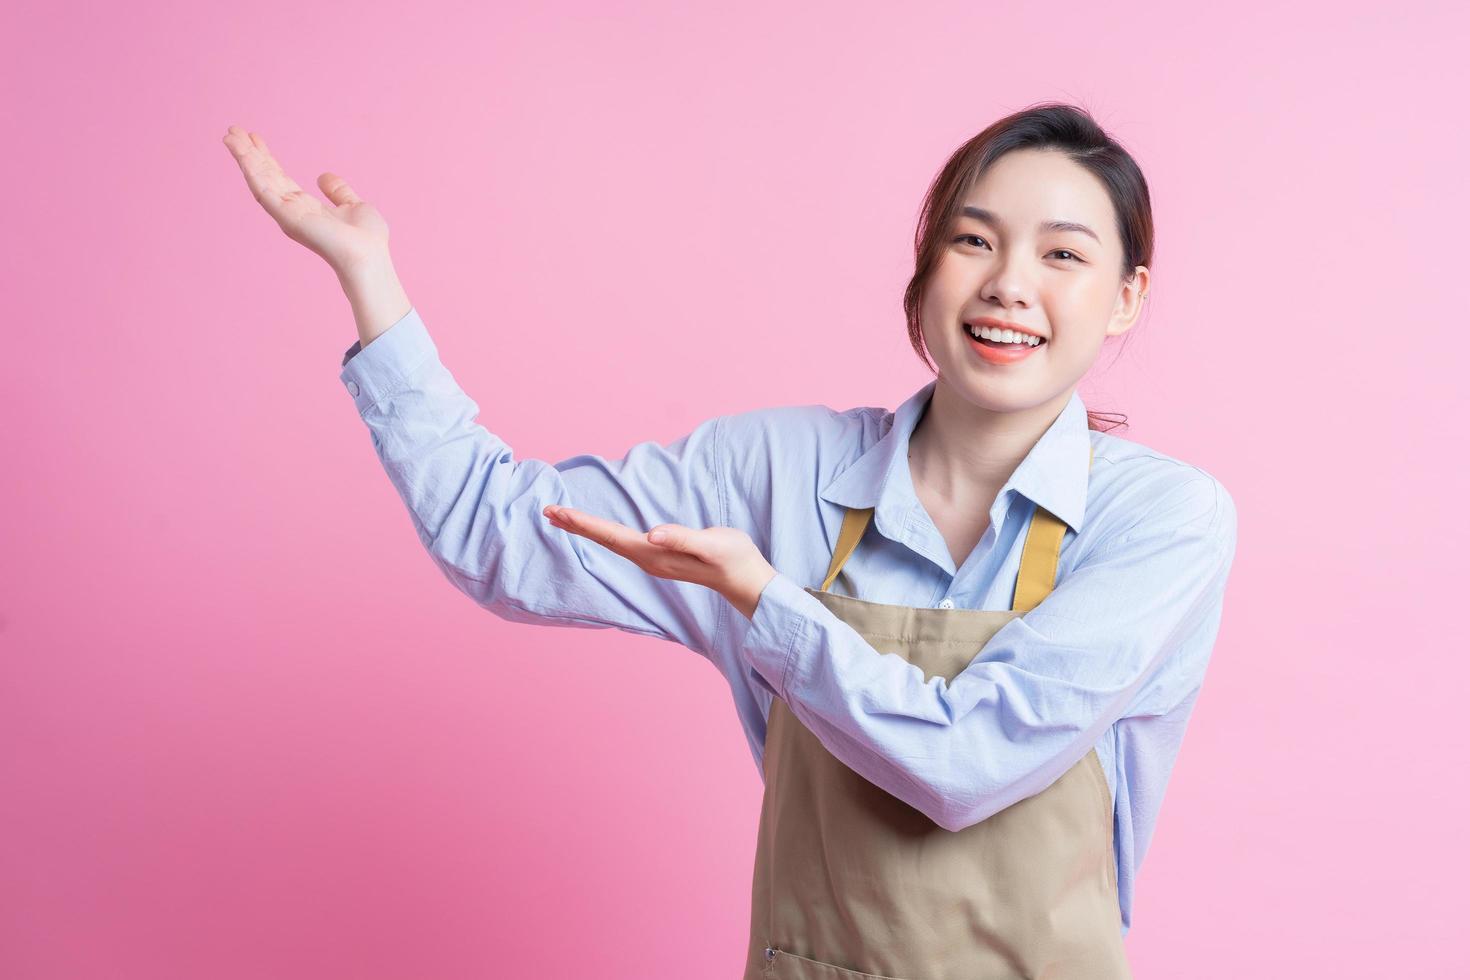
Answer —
(1062, 284)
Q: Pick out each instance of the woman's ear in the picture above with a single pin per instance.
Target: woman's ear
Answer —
(1129, 306)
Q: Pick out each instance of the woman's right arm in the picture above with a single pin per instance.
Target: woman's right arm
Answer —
(476, 508)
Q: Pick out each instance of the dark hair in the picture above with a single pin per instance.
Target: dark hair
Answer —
(1045, 125)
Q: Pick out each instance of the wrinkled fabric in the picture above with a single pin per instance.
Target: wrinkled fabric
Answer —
(1114, 657)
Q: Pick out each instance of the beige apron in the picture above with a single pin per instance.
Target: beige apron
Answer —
(851, 882)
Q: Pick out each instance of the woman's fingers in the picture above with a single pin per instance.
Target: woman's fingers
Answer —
(680, 564)
(262, 172)
(275, 181)
(618, 538)
(609, 534)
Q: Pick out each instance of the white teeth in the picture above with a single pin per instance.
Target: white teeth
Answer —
(1003, 336)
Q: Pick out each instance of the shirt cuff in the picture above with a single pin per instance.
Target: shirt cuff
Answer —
(781, 617)
(387, 363)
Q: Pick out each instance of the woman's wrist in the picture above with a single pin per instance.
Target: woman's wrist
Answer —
(377, 297)
(745, 592)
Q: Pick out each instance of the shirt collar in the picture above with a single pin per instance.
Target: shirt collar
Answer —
(1053, 475)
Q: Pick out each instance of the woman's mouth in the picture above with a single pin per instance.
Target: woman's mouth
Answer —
(998, 352)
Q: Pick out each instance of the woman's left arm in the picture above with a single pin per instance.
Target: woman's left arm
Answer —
(1126, 633)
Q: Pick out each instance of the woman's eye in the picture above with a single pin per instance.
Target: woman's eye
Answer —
(1071, 255)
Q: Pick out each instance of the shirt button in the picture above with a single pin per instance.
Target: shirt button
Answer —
(946, 603)
(352, 387)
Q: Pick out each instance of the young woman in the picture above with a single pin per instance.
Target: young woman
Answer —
(963, 637)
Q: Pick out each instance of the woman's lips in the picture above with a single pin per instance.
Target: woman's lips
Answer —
(1008, 354)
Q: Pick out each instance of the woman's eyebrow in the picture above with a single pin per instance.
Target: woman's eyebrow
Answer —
(990, 218)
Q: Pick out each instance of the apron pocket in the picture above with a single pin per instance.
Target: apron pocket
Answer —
(788, 966)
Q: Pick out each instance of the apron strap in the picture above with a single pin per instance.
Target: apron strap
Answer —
(1039, 554)
(854, 523)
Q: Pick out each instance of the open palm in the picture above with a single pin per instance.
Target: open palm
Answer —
(346, 230)
(721, 558)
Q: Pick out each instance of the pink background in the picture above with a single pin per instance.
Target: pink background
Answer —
(249, 730)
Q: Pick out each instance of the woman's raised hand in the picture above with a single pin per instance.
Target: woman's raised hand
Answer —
(348, 232)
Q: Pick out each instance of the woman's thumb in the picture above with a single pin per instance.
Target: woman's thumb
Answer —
(338, 191)
(670, 536)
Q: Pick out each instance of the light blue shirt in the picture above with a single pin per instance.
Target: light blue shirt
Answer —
(1113, 658)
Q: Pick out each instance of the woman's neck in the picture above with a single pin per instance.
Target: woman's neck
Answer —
(962, 452)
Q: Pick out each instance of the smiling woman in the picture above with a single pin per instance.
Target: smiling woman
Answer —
(966, 721)
(1040, 225)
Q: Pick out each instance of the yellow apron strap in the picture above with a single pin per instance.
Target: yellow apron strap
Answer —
(1039, 555)
(854, 523)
